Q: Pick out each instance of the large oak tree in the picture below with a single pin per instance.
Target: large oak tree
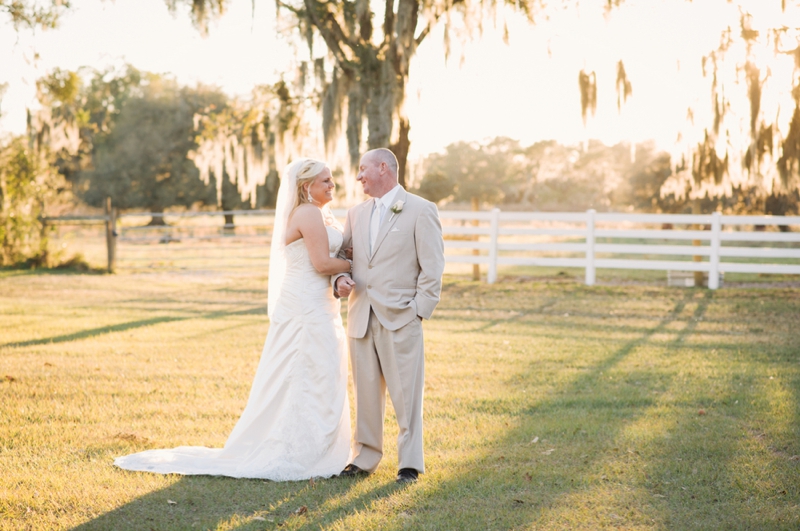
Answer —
(368, 48)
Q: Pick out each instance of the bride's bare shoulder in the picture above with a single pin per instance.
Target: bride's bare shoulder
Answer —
(307, 210)
(305, 214)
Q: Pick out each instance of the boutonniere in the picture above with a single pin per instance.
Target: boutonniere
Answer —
(397, 207)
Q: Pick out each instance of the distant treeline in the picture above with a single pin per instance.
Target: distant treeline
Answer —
(548, 176)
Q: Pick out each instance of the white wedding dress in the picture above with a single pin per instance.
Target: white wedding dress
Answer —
(296, 424)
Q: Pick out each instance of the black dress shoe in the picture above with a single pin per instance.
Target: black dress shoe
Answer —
(351, 471)
(407, 475)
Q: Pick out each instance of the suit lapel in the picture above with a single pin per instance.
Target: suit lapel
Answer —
(388, 223)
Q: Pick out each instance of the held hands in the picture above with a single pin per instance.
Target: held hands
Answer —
(344, 285)
(348, 253)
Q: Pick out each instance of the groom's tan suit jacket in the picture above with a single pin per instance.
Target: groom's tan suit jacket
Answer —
(402, 277)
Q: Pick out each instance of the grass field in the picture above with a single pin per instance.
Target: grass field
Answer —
(549, 405)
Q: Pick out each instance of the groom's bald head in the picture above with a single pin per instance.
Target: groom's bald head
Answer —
(377, 172)
(387, 157)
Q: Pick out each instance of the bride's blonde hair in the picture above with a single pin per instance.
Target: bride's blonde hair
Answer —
(306, 170)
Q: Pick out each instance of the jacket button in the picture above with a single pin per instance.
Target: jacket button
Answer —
(369, 287)
(370, 266)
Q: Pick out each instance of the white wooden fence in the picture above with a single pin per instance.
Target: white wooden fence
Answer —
(598, 237)
(711, 244)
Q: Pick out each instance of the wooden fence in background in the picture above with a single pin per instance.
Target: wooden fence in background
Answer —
(696, 245)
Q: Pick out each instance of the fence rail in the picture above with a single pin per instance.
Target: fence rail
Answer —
(598, 237)
(708, 244)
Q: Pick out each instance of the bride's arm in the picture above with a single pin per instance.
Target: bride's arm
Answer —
(308, 221)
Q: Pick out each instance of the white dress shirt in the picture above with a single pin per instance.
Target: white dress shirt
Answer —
(379, 209)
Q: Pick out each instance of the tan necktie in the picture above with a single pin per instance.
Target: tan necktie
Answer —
(375, 223)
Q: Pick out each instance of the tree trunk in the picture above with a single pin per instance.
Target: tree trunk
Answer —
(229, 227)
(378, 80)
(157, 221)
(400, 149)
(355, 122)
(387, 125)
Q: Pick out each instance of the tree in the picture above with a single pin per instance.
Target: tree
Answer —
(743, 143)
(243, 145)
(573, 178)
(474, 172)
(30, 14)
(370, 62)
(60, 130)
(436, 186)
(25, 188)
(642, 180)
(94, 127)
(143, 160)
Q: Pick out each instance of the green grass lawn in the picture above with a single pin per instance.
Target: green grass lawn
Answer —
(549, 405)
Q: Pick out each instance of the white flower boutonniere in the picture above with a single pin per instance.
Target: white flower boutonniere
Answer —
(397, 207)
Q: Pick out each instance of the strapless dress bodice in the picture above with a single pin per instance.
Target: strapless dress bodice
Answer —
(305, 291)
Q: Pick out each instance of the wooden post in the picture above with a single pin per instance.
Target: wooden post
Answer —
(111, 234)
(476, 268)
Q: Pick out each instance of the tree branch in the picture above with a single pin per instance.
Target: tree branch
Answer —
(298, 13)
(388, 21)
(426, 30)
(331, 31)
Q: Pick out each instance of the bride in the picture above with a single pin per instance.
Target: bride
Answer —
(296, 424)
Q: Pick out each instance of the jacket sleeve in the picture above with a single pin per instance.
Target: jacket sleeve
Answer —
(430, 255)
(347, 241)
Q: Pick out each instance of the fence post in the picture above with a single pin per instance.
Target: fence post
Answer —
(491, 277)
(590, 272)
(111, 234)
(476, 267)
(713, 272)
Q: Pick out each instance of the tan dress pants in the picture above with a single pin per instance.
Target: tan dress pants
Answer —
(395, 360)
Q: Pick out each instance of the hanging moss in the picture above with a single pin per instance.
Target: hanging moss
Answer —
(707, 166)
(753, 76)
(588, 86)
(789, 162)
(624, 87)
(248, 144)
(763, 144)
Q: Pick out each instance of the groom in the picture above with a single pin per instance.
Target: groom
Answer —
(398, 259)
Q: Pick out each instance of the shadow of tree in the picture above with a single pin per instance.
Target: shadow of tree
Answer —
(482, 499)
(205, 502)
(122, 327)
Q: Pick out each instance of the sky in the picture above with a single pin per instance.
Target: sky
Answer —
(526, 89)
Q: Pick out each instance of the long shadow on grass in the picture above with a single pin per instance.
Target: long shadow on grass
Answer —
(122, 327)
(733, 466)
(512, 483)
(83, 334)
(708, 466)
(204, 502)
